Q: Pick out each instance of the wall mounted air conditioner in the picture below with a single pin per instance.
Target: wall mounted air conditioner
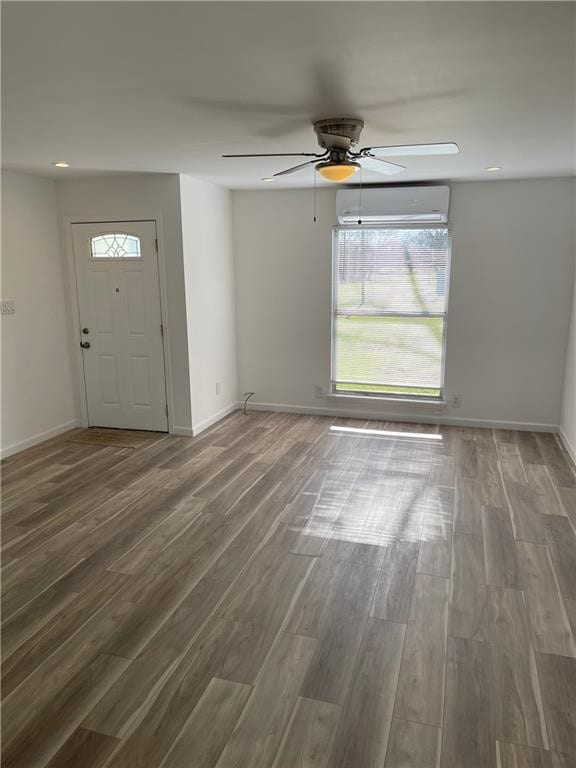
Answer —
(393, 205)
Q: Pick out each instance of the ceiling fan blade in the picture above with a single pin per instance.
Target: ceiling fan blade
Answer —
(380, 166)
(411, 150)
(252, 107)
(284, 128)
(295, 168)
(282, 154)
(409, 100)
(331, 83)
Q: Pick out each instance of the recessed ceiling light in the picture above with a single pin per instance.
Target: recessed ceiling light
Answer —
(267, 178)
(61, 164)
(493, 168)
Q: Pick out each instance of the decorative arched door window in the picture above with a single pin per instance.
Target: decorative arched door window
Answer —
(119, 245)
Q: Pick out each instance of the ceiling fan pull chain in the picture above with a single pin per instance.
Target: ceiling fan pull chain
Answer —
(314, 172)
(360, 199)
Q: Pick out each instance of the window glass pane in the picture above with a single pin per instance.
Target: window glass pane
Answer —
(390, 304)
(389, 351)
(401, 270)
(115, 246)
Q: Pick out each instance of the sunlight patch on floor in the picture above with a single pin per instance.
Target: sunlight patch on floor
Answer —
(380, 509)
(387, 433)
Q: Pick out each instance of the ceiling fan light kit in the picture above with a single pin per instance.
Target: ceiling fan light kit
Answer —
(338, 162)
(337, 171)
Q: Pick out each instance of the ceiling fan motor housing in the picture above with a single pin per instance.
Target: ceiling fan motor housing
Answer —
(338, 133)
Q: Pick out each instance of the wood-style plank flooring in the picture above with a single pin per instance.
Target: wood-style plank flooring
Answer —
(291, 591)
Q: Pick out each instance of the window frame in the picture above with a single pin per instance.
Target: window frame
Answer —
(401, 396)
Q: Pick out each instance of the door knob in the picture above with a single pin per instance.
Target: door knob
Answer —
(85, 344)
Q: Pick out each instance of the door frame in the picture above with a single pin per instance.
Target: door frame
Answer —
(74, 301)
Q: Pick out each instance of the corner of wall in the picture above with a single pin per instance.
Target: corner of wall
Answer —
(568, 418)
(209, 279)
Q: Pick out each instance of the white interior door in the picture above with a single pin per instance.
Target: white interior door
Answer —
(120, 324)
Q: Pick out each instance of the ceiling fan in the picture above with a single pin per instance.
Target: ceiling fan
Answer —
(338, 162)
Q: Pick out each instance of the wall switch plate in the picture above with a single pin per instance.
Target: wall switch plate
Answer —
(8, 306)
(218, 387)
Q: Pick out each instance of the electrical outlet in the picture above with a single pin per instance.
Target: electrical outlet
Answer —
(8, 306)
(218, 387)
(319, 391)
(456, 401)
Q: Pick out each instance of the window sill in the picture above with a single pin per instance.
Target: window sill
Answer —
(371, 398)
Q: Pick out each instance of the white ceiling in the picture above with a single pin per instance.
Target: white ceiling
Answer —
(144, 86)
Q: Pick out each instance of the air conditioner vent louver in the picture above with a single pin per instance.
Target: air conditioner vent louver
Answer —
(389, 205)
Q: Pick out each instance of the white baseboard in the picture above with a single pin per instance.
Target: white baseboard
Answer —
(202, 425)
(567, 445)
(21, 445)
(411, 417)
(181, 431)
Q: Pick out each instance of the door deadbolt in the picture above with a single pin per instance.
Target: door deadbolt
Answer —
(85, 330)
(85, 344)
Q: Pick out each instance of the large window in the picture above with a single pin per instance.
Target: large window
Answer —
(389, 310)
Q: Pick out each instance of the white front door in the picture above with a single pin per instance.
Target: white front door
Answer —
(120, 324)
